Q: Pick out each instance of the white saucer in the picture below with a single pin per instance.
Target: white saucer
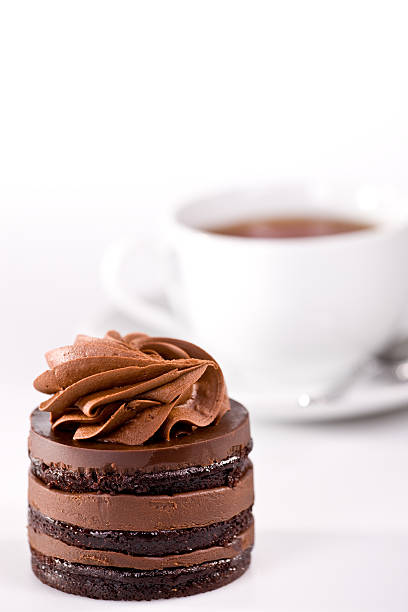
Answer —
(371, 391)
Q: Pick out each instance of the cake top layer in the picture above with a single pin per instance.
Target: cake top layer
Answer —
(204, 446)
(131, 389)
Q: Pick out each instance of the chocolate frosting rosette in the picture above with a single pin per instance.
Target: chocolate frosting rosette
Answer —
(130, 389)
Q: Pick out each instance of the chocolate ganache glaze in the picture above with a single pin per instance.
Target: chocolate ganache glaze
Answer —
(131, 388)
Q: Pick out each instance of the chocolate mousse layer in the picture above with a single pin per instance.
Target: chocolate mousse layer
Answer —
(139, 512)
(52, 547)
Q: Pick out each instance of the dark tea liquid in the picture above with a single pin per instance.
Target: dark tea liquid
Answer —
(290, 227)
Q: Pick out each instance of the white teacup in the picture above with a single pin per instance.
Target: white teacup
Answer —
(282, 316)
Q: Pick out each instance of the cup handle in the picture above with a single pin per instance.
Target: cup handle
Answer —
(150, 313)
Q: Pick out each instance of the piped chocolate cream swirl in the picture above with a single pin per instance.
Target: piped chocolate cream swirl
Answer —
(130, 389)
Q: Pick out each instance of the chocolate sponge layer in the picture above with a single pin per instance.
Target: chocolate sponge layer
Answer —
(125, 584)
(225, 473)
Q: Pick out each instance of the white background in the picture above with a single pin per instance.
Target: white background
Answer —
(111, 111)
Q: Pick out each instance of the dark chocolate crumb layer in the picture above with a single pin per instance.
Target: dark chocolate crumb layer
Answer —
(117, 584)
(148, 544)
(225, 473)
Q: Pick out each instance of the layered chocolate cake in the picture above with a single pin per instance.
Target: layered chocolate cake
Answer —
(140, 484)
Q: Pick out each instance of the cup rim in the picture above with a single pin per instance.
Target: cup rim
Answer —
(381, 228)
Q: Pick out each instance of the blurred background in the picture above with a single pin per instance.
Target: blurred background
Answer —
(111, 112)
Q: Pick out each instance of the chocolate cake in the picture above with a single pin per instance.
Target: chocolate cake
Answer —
(140, 484)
